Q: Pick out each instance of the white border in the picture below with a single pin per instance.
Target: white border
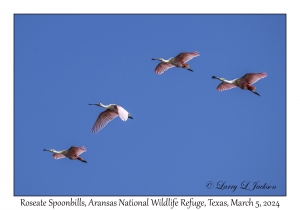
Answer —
(9, 8)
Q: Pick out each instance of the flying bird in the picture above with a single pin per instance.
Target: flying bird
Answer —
(179, 61)
(244, 82)
(112, 111)
(72, 153)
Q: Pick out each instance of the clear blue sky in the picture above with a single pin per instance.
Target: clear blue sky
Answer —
(184, 133)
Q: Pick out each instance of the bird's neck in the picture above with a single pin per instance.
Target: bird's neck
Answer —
(163, 60)
(105, 106)
(170, 60)
(55, 152)
(229, 81)
(109, 106)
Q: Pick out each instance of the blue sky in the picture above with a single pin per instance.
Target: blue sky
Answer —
(184, 133)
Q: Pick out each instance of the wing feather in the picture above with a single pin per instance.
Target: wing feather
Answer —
(102, 120)
(123, 114)
(251, 78)
(58, 156)
(162, 67)
(225, 86)
(185, 56)
(76, 150)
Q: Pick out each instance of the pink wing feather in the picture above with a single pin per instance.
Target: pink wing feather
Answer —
(102, 120)
(76, 150)
(186, 56)
(225, 86)
(162, 67)
(58, 156)
(123, 114)
(254, 77)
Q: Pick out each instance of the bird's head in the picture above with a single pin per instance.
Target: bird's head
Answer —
(98, 104)
(214, 77)
(160, 59)
(129, 116)
(49, 150)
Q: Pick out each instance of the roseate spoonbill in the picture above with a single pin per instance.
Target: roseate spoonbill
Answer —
(178, 61)
(72, 153)
(112, 111)
(244, 82)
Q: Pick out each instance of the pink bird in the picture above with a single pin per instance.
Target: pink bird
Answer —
(112, 111)
(178, 61)
(244, 82)
(72, 153)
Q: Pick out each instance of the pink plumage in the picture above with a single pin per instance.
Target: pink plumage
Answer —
(162, 67)
(225, 86)
(251, 78)
(185, 57)
(102, 120)
(58, 156)
(123, 114)
(75, 151)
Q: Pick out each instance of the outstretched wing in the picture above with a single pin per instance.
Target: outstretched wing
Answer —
(185, 56)
(225, 86)
(58, 156)
(123, 114)
(76, 150)
(103, 118)
(162, 67)
(253, 77)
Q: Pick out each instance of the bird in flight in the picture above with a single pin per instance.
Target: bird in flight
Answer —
(72, 153)
(112, 111)
(244, 82)
(179, 61)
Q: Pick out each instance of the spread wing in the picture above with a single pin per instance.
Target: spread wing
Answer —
(225, 86)
(253, 77)
(123, 114)
(58, 156)
(103, 118)
(162, 67)
(76, 150)
(185, 56)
